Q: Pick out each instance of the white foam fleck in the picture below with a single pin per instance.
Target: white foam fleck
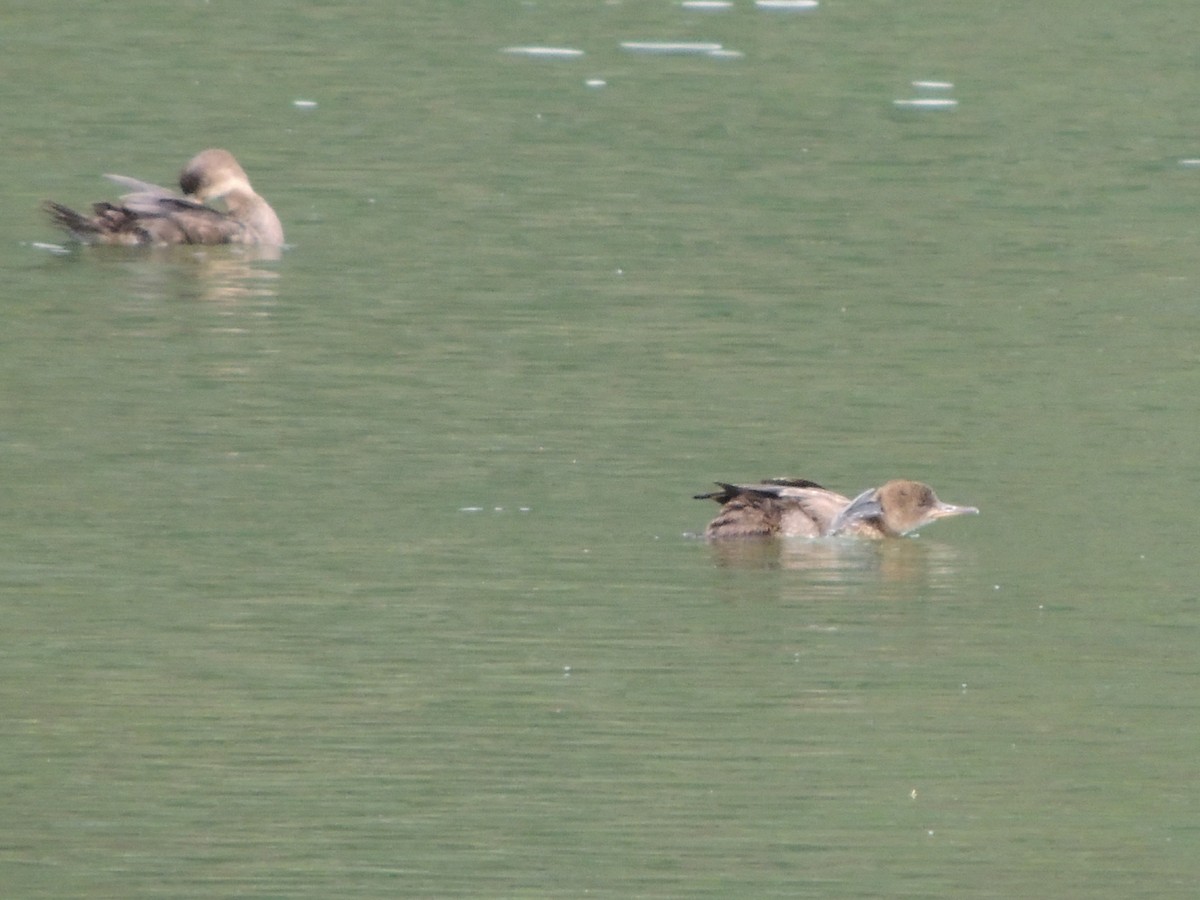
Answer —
(926, 103)
(787, 5)
(670, 47)
(56, 249)
(545, 52)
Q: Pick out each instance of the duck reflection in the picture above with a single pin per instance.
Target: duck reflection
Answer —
(229, 275)
(839, 568)
(838, 558)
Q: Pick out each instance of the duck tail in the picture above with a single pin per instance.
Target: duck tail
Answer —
(68, 219)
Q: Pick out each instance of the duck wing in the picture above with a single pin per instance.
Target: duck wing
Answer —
(768, 486)
(862, 508)
(744, 513)
(176, 221)
(137, 186)
(148, 220)
(792, 507)
(183, 221)
(142, 196)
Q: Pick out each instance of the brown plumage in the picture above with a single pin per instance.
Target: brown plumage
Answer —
(795, 507)
(155, 215)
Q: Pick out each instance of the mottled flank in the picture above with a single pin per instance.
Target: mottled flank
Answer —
(796, 507)
(151, 214)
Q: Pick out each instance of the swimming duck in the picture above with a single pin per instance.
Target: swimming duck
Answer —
(155, 215)
(796, 507)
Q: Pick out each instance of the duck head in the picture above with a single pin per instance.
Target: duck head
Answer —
(213, 174)
(895, 509)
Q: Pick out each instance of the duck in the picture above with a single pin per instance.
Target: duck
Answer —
(797, 507)
(151, 214)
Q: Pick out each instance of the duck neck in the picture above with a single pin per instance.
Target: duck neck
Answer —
(257, 215)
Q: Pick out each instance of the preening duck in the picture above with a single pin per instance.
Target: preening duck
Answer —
(151, 214)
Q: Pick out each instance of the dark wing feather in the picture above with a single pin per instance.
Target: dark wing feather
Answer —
(747, 514)
(768, 487)
(197, 223)
(148, 219)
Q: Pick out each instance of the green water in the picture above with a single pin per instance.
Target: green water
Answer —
(365, 572)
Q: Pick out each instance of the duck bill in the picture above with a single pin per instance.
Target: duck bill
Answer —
(946, 510)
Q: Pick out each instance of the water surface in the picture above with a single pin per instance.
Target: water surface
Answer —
(366, 571)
